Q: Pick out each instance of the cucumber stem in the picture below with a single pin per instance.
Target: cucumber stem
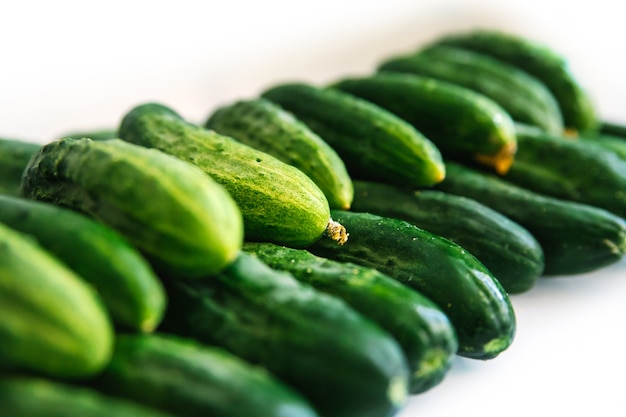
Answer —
(336, 232)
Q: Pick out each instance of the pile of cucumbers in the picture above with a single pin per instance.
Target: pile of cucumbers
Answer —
(313, 251)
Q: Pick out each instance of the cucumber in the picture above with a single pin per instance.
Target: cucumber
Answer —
(462, 123)
(186, 378)
(508, 250)
(475, 302)
(523, 96)
(52, 323)
(422, 330)
(370, 140)
(131, 291)
(14, 156)
(23, 396)
(278, 202)
(576, 170)
(95, 134)
(613, 128)
(264, 125)
(343, 363)
(183, 222)
(610, 142)
(575, 238)
(539, 60)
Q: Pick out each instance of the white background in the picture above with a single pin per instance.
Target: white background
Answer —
(70, 65)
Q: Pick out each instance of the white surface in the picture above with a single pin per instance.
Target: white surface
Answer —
(70, 65)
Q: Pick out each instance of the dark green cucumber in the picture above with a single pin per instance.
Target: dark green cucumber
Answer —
(279, 203)
(462, 123)
(613, 128)
(343, 363)
(523, 96)
(52, 323)
(422, 330)
(23, 396)
(539, 60)
(610, 142)
(475, 302)
(575, 237)
(188, 379)
(131, 291)
(508, 250)
(14, 156)
(185, 223)
(370, 140)
(264, 125)
(576, 170)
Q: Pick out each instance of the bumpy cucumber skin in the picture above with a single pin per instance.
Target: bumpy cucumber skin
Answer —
(370, 140)
(344, 364)
(131, 291)
(508, 250)
(264, 125)
(198, 380)
(478, 307)
(570, 169)
(23, 396)
(524, 97)
(575, 238)
(542, 62)
(422, 330)
(183, 222)
(14, 156)
(461, 123)
(52, 323)
(279, 203)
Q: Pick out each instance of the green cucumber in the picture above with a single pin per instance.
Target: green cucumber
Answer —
(14, 156)
(52, 323)
(104, 133)
(575, 238)
(131, 291)
(576, 170)
(539, 60)
(23, 396)
(508, 250)
(343, 363)
(422, 330)
(613, 128)
(370, 140)
(188, 379)
(475, 302)
(462, 123)
(523, 96)
(278, 202)
(610, 142)
(264, 125)
(183, 222)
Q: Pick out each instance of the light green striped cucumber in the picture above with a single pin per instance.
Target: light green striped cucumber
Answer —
(526, 98)
(183, 222)
(372, 141)
(130, 289)
(52, 323)
(264, 125)
(279, 203)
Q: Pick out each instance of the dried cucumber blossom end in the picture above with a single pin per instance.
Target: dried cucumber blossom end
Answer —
(336, 232)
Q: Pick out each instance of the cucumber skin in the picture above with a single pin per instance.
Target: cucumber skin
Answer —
(508, 250)
(523, 96)
(14, 156)
(422, 330)
(576, 170)
(476, 304)
(23, 396)
(278, 202)
(462, 123)
(539, 60)
(263, 125)
(344, 364)
(52, 323)
(575, 238)
(200, 380)
(370, 140)
(141, 193)
(131, 291)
